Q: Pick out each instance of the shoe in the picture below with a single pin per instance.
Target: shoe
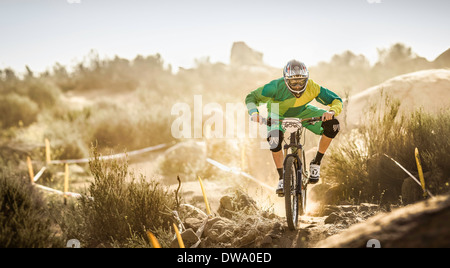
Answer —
(280, 188)
(314, 171)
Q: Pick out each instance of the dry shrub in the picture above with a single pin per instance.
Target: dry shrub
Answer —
(359, 163)
(24, 217)
(122, 207)
(16, 110)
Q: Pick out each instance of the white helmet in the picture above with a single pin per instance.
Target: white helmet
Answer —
(296, 77)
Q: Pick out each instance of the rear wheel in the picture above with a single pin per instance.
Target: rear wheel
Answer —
(291, 195)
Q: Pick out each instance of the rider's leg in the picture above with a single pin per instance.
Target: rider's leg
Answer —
(328, 130)
(278, 158)
(275, 139)
(324, 144)
(323, 147)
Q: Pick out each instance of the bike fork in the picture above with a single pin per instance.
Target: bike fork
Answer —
(299, 179)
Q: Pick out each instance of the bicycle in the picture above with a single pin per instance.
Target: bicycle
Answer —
(295, 177)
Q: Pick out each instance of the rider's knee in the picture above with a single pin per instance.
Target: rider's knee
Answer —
(331, 128)
(275, 139)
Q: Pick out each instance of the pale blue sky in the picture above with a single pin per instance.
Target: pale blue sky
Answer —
(39, 33)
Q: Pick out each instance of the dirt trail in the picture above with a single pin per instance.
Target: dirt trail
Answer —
(244, 214)
(239, 222)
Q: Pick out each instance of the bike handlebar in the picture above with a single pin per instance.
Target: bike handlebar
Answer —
(268, 121)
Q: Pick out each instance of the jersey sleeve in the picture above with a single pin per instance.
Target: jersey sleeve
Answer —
(329, 98)
(259, 96)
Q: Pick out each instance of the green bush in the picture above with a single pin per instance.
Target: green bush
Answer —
(123, 207)
(24, 217)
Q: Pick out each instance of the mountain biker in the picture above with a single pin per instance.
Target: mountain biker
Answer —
(293, 92)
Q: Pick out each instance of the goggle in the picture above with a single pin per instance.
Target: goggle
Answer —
(297, 83)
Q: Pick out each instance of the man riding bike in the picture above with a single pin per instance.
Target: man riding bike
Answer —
(293, 93)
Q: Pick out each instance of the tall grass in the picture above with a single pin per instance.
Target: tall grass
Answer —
(358, 163)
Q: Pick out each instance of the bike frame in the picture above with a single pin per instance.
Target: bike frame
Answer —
(296, 148)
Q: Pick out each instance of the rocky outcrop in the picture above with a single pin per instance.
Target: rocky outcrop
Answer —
(239, 224)
(243, 55)
(414, 90)
(443, 60)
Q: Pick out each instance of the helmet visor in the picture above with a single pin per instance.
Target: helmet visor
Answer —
(297, 84)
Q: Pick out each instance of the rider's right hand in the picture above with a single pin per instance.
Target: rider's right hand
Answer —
(256, 118)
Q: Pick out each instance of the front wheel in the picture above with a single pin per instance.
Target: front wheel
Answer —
(291, 192)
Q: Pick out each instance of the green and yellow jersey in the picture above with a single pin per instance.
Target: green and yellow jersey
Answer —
(276, 92)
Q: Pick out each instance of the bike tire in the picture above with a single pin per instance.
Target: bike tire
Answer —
(302, 198)
(291, 196)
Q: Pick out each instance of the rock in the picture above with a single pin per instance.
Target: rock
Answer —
(226, 207)
(411, 191)
(239, 201)
(193, 223)
(266, 240)
(247, 239)
(189, 238)
(227, 236)
(217, 226)
(443, 60)
(422, 225)
(348, 208)
(241, 54)
(245, 201)
(365, 207)
(333, 218)
(328, 210)
(333, 195)
(268, 215)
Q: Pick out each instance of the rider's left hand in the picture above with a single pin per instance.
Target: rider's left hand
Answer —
(327, 116)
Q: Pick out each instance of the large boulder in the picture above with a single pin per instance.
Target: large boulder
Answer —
(414, 90)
